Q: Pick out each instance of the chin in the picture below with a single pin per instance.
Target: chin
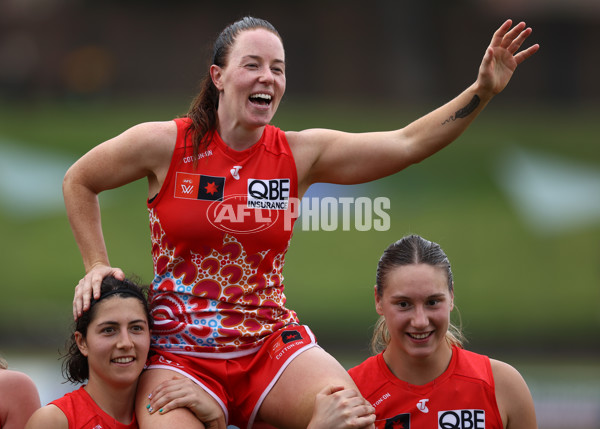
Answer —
(126, 380)
(421, 351)
(260, 122)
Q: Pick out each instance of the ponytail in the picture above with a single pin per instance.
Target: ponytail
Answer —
(203, 114)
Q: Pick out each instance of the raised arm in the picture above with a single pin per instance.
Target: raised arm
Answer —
(346, 158)
(142, 151)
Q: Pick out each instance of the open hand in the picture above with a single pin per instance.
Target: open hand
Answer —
(503, 56)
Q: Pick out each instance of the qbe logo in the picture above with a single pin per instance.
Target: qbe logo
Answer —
(461, 419)
(270, 194)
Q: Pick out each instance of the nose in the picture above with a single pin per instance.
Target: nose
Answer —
(267, 75)
(419, 319)
(124, 341)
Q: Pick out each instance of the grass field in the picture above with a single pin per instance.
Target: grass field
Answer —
(516, 287)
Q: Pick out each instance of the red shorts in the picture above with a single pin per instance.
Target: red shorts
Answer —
(240, 384)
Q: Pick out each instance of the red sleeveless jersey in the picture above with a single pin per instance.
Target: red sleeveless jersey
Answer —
(462, 397)
(221, 225)
(83, 413)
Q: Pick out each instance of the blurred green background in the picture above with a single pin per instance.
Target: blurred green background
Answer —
(515, 202)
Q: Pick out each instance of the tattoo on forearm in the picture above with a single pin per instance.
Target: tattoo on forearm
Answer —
(465, 111)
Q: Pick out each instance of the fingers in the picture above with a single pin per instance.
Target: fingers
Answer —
(349, 405)
(502, 54)
(181, 392)
(89, 287)
(509, 38)
(523, 55)
(515, 38)
(330, 390)
(77, 301)
(216, 424)
(165, 397)
(365, 422)
(83, 294)
(165, 393)
(500, 33)
(511, 35)
(518, 41)
(339, 392)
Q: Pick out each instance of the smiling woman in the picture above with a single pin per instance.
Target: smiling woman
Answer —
(421, 375)
(108, 348)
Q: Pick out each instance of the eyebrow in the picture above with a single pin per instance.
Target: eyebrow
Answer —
(435, 295)
(258, 57)
(133, 322)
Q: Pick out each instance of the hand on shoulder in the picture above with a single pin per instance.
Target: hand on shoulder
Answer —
(337, 407)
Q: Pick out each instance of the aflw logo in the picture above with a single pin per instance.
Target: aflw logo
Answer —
(199, 187)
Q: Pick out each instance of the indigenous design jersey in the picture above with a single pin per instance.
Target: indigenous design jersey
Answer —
(221, 225)
(462, 397)
(83, 413)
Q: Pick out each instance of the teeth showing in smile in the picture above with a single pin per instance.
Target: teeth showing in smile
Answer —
(262, 98)
(123, 360)
(420, 336)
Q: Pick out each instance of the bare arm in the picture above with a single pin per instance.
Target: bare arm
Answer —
(141, 151)
(19, 399)
(513, 397)
(346, 158)
(48, 417)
